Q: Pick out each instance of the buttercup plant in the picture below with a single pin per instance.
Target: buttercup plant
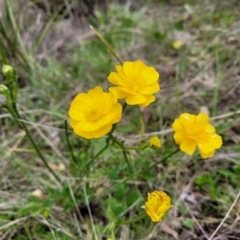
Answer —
(136, 83)
(95, 115)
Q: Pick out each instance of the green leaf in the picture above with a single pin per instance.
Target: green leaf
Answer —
(227, 173)
(132, 197)
(31, 208)
(179, 25)
(115, 208)
(188, 223)
(120, 191)
(204, 179)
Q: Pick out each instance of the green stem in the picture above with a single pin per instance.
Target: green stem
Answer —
(97, 155)
(16, 52)
(136, 148)
(124, 153)
(133, 220)
(34, 144)
(68, 142)
(107, 142)
(163, 160)
(110, 49)
(4, 60)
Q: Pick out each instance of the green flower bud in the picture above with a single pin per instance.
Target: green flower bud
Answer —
(7, 70)
(3, 89)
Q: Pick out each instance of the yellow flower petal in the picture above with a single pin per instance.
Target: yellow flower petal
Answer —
(87, 126)
(79, 105)
(102, 131)
(118, 92)
(114, 78)
(149, 99)
(150, 89)
(207, 155)
(186, 119)
(108, 102)
(151, 75)
(127, 67)
(210, 144)
(73, 123)
(209, 128)
(87, 135)
(128, 90)
(136, 99)
(202, 118)
(77, 113)
(120, 72)
(179, 137)
(188, 146)
(216, 141)
(97, 96)
(137, 67)
(177, 126)
(113, 116)
(154, 217)
(117, 108)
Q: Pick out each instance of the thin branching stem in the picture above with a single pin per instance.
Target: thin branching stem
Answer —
(121, 145)
(110, 49)
(163, 160)
(97, 155)
(25, 128)
(107, 142)
(133, 220)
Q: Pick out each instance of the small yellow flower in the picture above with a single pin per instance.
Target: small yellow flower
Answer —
(178, 44)
(193, 131)
(93, 114)
(157, 205)
(136, 82)
(155, 142)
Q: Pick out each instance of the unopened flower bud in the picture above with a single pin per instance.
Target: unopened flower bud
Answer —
(3, 89)
(7, 69)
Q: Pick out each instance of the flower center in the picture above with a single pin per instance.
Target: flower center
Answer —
(135, 84)
(156, 203)
(94, 115)
(196, 132)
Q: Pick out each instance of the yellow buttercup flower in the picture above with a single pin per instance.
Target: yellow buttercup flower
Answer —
(193, 131)
(136, 82)
(93, 114)
(178, 44)
(157, 205)
(155, 142)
